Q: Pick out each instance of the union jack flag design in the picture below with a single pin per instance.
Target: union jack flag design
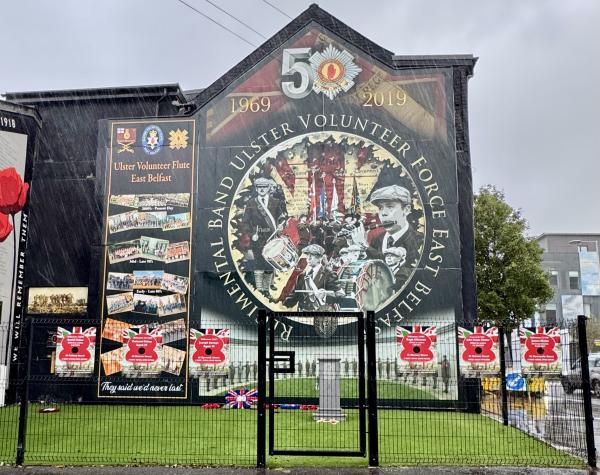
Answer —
(526, 332)
(402, 331)
(464, 332)
(241, 398)
(222, 333)
(156, 333)
(63, 332)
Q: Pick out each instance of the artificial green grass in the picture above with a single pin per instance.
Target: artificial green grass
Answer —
(306, 388)
(117, 434)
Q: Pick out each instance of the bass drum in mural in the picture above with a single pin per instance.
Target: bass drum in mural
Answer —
(324, 222)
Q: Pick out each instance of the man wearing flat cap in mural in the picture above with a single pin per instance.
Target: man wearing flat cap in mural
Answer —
(317, 287)
(264, 216)
(395, 259)
(394, 206)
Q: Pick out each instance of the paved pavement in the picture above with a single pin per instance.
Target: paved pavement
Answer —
(281, 471)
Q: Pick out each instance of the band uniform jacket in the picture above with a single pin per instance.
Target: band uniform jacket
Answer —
(410, 240)
(325, 279)
(258, 224)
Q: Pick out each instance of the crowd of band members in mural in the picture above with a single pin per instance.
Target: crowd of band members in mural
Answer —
(333, 241)
(148, 220)
(149, 304)
(151, 200)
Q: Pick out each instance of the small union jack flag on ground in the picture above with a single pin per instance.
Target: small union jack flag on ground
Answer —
(241, 398)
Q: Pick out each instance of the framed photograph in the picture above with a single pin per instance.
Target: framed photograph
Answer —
(177, 221)
(122, 222)
(114, 329)
(172, 360)
(124, 251)
(119, 281)
(151, 200)
(147, 279)
(181, 200)
(147, 304)
(175, 283)
(150, 219)
(57, 300)
(178, 251)
(119, 303)
(173, 331)
(153, 248)
(128, 201)
(171, 304)
(111, 361)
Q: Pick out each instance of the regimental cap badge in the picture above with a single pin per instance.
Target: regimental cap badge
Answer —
(334, 71)
(152, 139)
(126, 137)
(178, 139)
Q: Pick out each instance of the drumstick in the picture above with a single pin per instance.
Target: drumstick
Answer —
(274, 232)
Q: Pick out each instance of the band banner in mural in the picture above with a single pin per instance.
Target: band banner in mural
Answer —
(333, 188)
(479, 350)
(541, 350)
(417, 348)
(146, 265)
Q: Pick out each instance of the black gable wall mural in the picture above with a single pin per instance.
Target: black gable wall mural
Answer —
(322, 173)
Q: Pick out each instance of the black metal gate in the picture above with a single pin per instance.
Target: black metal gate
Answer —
(314, 395)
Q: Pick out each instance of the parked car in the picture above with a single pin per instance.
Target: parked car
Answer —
(572, 379)
(595, 378)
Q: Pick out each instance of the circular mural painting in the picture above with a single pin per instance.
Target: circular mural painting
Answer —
(327, 221)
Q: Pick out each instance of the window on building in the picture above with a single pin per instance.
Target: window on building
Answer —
(550, 314)
(573, 280)
(587, 309)
(554, 277)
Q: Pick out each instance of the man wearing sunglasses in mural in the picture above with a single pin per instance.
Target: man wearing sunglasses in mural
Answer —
(394, 205)
(264, 217)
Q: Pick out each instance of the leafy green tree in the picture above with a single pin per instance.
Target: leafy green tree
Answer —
(510, 280)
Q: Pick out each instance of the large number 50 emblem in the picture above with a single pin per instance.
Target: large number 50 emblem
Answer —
(330, 72)
(292, 65)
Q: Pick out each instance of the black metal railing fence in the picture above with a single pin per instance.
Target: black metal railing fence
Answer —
(506, 415)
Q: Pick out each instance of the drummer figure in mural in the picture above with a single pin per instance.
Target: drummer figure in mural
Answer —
(317, 287)
(264, 217)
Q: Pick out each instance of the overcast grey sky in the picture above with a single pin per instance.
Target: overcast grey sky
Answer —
(534, 100)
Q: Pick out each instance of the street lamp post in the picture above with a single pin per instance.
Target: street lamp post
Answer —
(576, 242)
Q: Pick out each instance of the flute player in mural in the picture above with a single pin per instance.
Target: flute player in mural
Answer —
(394, 206)
(264, 216)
